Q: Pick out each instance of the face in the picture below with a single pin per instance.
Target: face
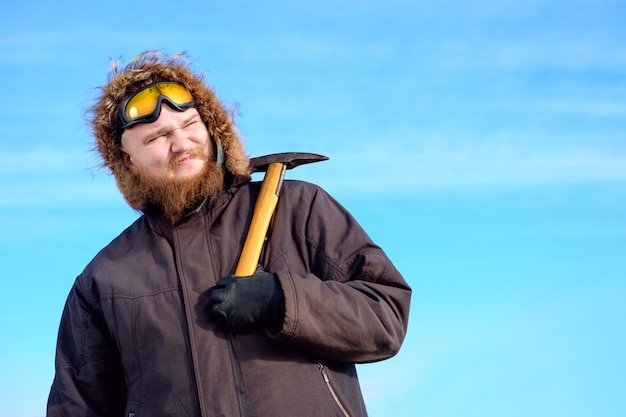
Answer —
(175, 146)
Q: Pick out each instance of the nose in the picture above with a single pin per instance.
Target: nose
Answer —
(179, 141)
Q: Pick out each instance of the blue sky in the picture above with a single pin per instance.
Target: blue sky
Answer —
(482, 144)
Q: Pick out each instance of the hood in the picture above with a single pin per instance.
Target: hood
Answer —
(154, 66)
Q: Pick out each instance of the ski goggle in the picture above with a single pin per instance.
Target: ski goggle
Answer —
(144, 105)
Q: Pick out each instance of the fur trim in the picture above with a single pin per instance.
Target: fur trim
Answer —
(153, 66)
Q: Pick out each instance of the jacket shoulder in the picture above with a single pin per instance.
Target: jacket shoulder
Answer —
(117, 253)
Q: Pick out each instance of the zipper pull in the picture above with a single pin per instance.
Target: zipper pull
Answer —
(331, 390)
(323, 372)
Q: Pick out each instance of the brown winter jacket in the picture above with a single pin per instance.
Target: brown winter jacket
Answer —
(136, 338)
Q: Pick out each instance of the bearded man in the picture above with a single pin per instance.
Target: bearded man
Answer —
(157, 325)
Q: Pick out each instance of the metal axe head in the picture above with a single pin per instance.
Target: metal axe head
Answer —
(289, 159)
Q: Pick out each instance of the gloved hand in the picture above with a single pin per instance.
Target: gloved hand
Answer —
(246, 304)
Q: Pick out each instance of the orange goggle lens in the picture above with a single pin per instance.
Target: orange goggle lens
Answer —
(144, 106)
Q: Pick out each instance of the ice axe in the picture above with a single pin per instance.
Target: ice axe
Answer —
(274, 166)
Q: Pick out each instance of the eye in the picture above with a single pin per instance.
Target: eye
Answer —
(192, 123)
(153, 139)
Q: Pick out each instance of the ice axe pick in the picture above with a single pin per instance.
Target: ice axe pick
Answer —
(274, 166)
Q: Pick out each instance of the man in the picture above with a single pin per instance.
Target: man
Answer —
(156, 325)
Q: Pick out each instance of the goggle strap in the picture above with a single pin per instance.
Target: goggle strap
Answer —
(219, 160)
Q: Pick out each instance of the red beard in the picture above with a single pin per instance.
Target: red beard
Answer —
(172, 197)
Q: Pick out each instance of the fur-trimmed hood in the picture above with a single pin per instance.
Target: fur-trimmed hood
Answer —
(154, 66)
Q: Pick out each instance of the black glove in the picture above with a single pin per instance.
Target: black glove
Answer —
(246, 304)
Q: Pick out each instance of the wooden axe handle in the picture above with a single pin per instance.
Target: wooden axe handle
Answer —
(263, 212)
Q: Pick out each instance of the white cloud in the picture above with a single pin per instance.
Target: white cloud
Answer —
(62, 177)
(441, 168)
(531, 53)
(43, 161)
(57, 190)
(46, 176)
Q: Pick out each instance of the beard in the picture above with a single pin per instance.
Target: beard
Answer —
(172, 197)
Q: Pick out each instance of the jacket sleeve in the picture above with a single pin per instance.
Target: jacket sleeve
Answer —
(345, 301)
(88, 376)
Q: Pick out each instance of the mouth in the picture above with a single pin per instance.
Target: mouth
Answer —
(186, 163)
(186, 159)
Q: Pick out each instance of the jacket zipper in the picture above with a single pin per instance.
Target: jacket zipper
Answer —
(332, 391)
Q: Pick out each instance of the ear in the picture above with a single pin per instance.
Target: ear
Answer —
(128, 160)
